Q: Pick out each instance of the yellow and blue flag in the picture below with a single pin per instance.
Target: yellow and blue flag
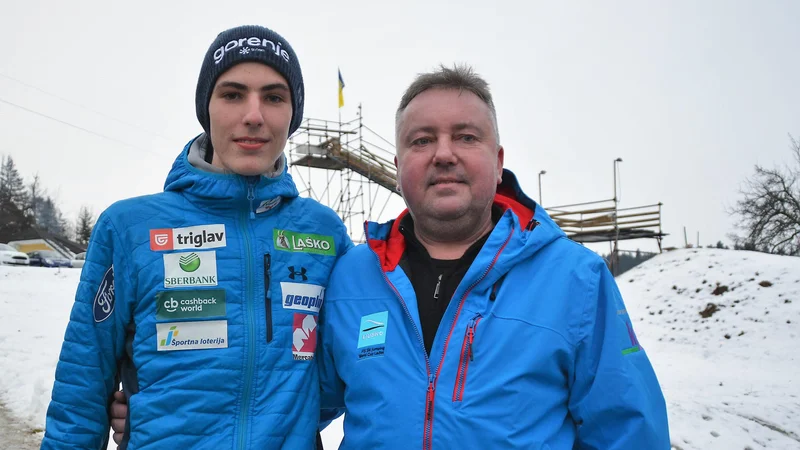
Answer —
(341, 90)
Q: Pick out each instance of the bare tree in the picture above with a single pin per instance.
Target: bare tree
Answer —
(770, 208)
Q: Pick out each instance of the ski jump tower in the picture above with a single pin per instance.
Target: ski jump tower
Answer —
(348, 167)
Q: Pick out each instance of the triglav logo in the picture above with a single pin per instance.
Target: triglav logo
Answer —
(253, 44)
(161, 239)
(189, 238)
(190, 262)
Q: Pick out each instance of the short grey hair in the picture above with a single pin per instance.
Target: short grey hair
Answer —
(461, 77)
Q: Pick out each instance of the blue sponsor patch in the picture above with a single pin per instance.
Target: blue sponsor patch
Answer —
(104, 299)
(373, 329)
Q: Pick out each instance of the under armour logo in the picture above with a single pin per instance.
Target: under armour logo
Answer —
(301, 273)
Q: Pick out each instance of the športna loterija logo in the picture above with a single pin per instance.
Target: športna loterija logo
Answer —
(190, 262)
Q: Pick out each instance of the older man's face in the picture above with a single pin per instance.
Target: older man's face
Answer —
(448, 159)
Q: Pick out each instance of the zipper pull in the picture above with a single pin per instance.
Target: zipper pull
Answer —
(250, 196)
(438, 283)
(431, 394)
(471, 336)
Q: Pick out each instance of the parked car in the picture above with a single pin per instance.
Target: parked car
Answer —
(48, 258)
(78, 260)
(10, 255)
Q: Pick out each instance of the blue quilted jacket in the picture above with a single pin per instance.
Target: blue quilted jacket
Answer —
(535, 350)
(203, 300)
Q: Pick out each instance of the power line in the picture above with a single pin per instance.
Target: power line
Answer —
(77, 127)
(65, 100)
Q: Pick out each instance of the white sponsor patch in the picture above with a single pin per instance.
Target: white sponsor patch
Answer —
(192, 335)
(190, 269)
(267, 205)
(302, 297)
(189, 238)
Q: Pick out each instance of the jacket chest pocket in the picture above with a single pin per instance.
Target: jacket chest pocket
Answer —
(466, 358)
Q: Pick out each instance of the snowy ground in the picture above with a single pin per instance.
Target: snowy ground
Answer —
(732, 380)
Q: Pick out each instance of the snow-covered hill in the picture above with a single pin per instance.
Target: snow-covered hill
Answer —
(722, 328)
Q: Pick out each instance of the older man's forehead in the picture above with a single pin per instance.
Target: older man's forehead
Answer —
(452, 127)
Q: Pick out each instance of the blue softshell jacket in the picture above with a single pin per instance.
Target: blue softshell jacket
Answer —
(535, 350)
(204, 301)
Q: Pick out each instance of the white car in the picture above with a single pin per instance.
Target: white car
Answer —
(78, 260)
(10, 255)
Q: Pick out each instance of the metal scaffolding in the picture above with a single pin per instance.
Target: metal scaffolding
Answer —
(341, 166)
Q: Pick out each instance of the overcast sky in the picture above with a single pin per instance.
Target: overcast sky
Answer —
(689, 94)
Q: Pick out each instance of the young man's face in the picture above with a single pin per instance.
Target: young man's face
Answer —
(448, 160)
(250, 111)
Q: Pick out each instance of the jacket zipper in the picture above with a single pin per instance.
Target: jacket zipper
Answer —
(267, 299)
(427, 439)
(249, 320)
(431, 391)
(466, 357)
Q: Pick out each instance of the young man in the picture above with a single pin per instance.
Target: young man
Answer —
(475, 322)
(204, 298)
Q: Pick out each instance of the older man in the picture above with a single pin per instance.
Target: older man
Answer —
(474, 322)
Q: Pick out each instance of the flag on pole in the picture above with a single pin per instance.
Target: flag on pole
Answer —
(341, 89)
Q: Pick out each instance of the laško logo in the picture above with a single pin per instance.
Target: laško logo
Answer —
(292, 241)
(189, 238)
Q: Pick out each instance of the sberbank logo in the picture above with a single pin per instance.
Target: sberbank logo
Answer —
(173, 333)
(190, 262)
(292, 241)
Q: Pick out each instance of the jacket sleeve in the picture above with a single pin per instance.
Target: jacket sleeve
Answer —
(615, 398)
(85, 377)
(331, 386)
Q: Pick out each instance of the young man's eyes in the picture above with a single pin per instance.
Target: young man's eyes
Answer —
(274, 98)
(268, 98)
(231, 95)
